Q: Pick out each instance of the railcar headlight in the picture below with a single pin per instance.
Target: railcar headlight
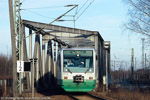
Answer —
(65, 77)
(66, 70)
(90, 70)
(90, 78)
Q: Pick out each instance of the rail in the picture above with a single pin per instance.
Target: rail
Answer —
(72, 97)
(96, 97)
(86, 95)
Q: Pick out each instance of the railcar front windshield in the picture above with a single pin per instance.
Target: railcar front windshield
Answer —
(78, 61)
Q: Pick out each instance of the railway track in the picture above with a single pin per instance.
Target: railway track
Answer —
(73, 96)
(85, 96)
(96, 97)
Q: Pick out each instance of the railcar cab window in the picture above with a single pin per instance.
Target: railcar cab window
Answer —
(78, 60)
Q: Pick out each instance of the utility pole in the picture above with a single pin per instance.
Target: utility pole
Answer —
(114, 65)
(145, 62)
(126, 68)
(15, 21)
(149, 65)
(142, 52)
(132, 63)
(135, 64)
(13, 44)
(32, 75)
(107, 48)
(107, 69)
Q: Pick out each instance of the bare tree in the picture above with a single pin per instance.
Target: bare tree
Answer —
(139, 12)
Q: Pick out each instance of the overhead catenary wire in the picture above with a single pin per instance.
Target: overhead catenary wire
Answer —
(37, 13)
(74, 6)
(31, 11)
(23, 1)
(84, 10)
(83, 6)
(45, 7)
(56, 19)
(77, 10)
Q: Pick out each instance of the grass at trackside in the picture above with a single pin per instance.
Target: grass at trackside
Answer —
(126, 94)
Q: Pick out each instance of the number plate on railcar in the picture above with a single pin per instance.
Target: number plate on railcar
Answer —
(78, 79)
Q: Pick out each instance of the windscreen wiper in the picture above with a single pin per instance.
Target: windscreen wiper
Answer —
(68, 70)
(87, 70)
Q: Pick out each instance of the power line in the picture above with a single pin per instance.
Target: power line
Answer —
(84, 10)
(37, 13)
(56, 19)
(27, 9)
(45, 7)
(83, 5)
(23, 1)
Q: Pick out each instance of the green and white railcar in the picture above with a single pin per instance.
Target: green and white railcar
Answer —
(76, 69)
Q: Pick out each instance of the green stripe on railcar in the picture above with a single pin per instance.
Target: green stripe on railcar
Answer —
(70, 86)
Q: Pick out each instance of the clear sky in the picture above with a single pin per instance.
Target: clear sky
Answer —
(105, 16)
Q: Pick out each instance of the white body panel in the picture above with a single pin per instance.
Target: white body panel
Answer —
(70, 76)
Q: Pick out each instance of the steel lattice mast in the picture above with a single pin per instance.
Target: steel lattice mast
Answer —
(17, 22)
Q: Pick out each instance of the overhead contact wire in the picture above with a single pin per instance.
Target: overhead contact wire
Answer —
(45, 7)
(84, 10)
(37, 14)
(83, 5)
